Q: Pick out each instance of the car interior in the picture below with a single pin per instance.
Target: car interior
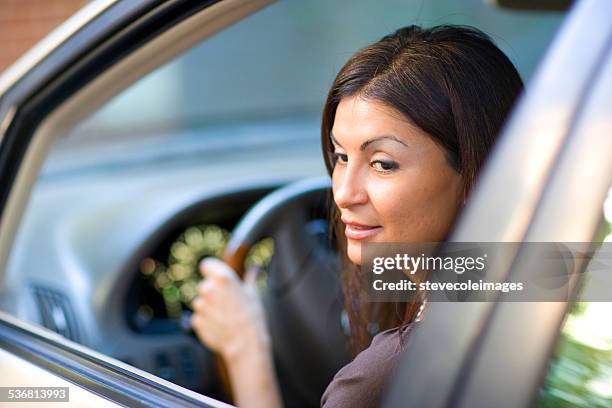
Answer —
(207, 135)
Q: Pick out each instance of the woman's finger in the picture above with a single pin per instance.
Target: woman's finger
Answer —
(199, 305)
(206, 289)
(251, 275)
(250, 278)
(217, 270)
(197, 322)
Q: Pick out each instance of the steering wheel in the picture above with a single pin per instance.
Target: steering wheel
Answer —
(302, 296)
(281, 213)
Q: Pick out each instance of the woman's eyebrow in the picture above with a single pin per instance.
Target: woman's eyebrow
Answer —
(365, 144)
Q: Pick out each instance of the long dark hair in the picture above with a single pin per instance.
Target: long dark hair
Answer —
(454, 84)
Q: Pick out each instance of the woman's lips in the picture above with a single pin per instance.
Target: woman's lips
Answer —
(356, 231)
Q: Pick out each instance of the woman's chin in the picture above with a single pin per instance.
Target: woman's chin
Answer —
(353, 251)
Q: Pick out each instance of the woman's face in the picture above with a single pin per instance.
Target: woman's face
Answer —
(391, 181)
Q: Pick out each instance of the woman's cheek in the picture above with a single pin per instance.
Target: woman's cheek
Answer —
(389, 201)
(402, 208)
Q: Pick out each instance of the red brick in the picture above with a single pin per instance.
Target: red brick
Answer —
(25, 22)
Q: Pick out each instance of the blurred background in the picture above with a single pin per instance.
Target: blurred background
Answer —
(273, 68)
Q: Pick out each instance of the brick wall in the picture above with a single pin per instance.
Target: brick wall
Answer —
(25, 22)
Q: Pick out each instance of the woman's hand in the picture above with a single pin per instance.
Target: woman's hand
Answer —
(229, 318)
(228, 314)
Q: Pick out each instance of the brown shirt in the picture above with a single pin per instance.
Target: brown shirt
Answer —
(362, 382)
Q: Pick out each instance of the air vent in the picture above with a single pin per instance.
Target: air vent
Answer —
(56, 312)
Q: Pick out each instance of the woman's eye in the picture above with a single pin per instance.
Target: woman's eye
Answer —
(340, 157)
(384, 165)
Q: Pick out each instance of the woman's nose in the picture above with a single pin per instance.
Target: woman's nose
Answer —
(349, 189)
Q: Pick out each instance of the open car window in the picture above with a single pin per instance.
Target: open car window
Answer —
(130, 197)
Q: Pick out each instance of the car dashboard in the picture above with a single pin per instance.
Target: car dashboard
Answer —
(109, 260)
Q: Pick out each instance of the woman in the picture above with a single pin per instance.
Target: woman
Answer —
(407, 125)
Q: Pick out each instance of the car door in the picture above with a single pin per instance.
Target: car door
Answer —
(119, 42)
(113, 42)
(546, 182)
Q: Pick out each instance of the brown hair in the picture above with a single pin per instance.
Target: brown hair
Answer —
(454, 84)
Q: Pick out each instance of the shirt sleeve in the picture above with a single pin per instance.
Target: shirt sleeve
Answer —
(362, 382)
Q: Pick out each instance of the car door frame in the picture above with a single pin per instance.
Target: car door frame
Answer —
(97, 374)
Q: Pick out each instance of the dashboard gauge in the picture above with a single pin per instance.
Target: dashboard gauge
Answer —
(175, 279)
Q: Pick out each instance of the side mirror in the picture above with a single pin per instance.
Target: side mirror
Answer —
(533, 5)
